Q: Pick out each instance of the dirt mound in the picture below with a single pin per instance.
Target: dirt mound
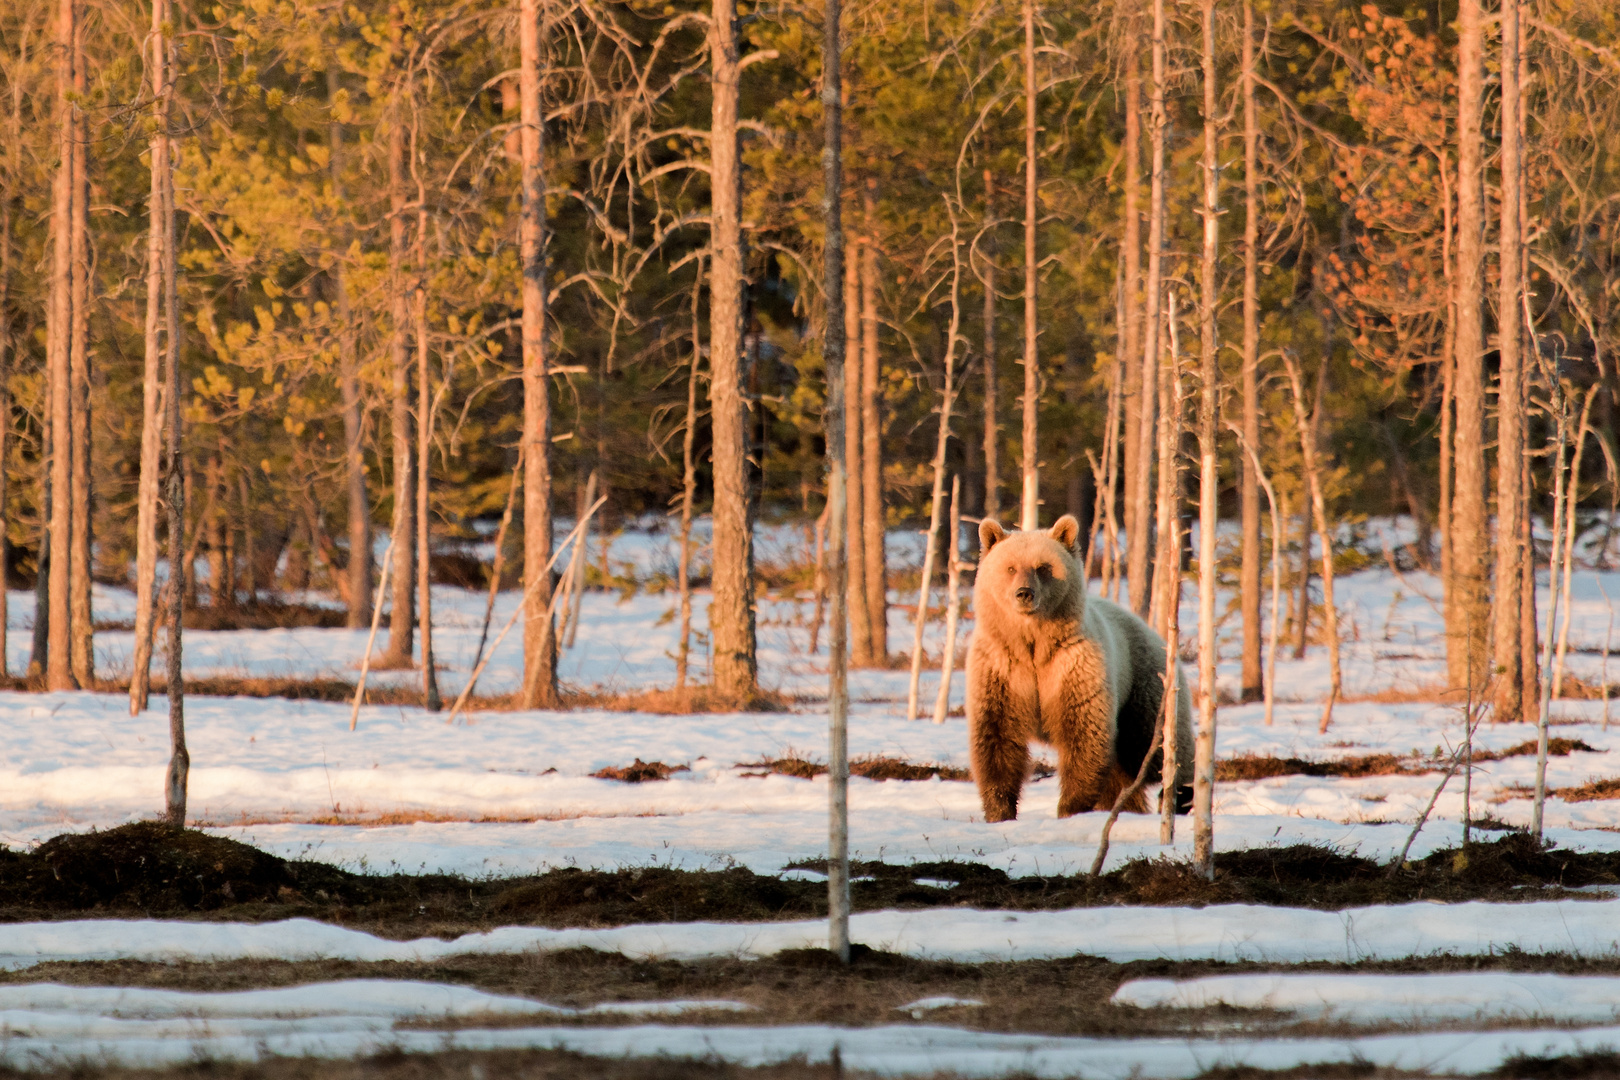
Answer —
(576, 897)
(147, 865)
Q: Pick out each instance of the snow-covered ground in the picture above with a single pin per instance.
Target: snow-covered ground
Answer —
(511, 792)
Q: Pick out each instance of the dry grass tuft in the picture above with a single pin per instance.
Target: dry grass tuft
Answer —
(1264, 767)
(673, 702)
(639, 772)
(1591, 791)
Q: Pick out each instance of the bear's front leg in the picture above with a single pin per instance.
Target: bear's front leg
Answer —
(997, 743)
(999, 765)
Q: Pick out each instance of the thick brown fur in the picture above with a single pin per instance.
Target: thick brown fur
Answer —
(1049, 663)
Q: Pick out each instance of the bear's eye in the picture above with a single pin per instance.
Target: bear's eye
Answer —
(1011, 570)
(1043, 571)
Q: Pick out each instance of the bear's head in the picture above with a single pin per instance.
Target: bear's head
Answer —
(1033, 574)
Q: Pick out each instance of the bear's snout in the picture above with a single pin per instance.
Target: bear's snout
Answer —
(1025, 596)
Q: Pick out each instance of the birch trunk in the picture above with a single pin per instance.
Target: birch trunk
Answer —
(833, 345)
(539, 637)
(179, 757)
(1554, 562)
(83, 629)
(1030, 517)
(874, 519)
(1140, 541)
(953, 596)
(1467, 613)
(146, 514)
(1208, 478)
(58, 661)
(937, 498)
(731, 612)
(1573, 500)
(401, 621)
(1313, 478)
(1249, 497)
(576, 572)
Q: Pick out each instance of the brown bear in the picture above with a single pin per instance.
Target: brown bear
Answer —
(1077, 672)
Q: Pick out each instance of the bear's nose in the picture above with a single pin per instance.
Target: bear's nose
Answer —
(1025, 594)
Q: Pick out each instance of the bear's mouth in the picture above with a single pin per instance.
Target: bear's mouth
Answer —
(1026, 607)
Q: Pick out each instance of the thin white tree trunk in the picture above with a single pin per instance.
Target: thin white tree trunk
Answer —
(1276, 571)
(1313, 478)
(1140, 542)
(146, 514)
(833, 352)
(371, 641)
(947, 666)
(1554, 563)
(576, 572)
(1574, 501)
(937, 499)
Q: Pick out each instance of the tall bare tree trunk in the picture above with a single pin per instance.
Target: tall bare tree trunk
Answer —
(874, 518)
(1208, 477)
(1166, 581)
(1506, 660)
(83, 631)
(5, 413)
(402, 620)
(860, 622)
(1030, 517)
(837, 401)
(1140, 541)
(1529, 661)
(992, 373)
(424, 447)
(146, 541)
(179, 771)
(1467, 613)
(1130, 329)
(58, 663)
(1249, 573)
(1313, 480)
(354, 459)
(731, 613)
(539, 631)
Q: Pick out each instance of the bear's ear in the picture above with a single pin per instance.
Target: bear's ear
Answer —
(990, 534)
(1066, 531)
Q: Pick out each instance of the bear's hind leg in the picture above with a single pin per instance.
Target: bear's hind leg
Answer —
(999, 766)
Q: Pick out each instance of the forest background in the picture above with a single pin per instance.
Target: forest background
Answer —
(347, 193)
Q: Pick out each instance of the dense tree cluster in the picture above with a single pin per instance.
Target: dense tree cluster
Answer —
(1370, 245)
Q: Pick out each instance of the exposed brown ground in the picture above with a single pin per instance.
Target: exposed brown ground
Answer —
(1261, 767)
